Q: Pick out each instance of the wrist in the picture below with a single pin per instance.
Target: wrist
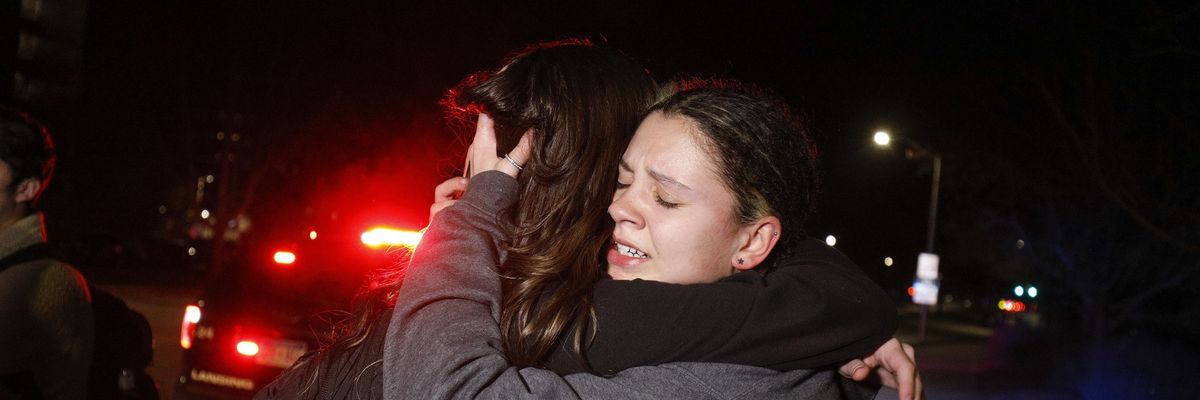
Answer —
(491, 191)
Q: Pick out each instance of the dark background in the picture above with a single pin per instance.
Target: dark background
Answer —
(1069, 127)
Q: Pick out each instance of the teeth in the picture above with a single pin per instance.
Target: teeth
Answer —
(629, 251)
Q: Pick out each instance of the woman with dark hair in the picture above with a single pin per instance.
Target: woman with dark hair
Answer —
(834, 315)
(584, 102)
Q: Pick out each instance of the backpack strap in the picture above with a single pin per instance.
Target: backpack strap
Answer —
(22, 384)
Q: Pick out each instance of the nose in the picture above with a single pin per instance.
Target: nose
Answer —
(623, 212)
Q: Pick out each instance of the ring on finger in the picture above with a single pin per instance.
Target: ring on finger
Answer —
(513, 162)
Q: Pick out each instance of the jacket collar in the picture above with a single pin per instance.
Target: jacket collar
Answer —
(23, 233)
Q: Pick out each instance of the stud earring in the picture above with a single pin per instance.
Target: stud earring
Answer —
(741, 261)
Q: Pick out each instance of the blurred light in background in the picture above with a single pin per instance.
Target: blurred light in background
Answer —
(285, 257)
(1012, 306)
(380, 237)
(247, 348)
(882, 138)
(191, 317)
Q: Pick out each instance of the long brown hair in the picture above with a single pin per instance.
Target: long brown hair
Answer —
(583, 103)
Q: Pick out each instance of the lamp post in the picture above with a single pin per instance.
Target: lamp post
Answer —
(914, 151)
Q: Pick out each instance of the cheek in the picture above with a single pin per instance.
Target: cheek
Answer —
(721, 242)
(699, 246)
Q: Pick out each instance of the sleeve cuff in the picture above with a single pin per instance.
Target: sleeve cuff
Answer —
(491, 191)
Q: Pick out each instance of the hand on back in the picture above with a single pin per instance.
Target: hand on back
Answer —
(893, 365)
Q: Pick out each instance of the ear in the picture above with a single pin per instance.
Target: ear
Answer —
(27, 190)
(759, 238)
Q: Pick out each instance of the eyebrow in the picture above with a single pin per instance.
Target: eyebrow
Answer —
(658, 176)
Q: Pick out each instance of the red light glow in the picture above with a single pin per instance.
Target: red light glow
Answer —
(380, 237)
(911, 291)
(285, 257)
(247, 348)
(191, 316)
(1012, 306)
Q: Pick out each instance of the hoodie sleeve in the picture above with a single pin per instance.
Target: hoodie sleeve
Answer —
(816, 310)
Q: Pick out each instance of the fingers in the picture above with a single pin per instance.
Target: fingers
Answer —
(482, 154)
(883, 363)
(450, 189)
(438, 207)
(524, 148)
(485, 133)
(855, 369)
(518, 156)
(918, 388)
(446, 194)
(900, 360)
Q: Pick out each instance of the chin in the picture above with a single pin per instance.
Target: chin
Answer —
(617, 275)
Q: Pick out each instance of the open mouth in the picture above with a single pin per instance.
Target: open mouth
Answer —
(630, 251)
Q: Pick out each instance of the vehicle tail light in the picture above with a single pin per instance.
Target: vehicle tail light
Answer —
(247, 348)
(1012, 306)
(191, 317)
(380, 237)
(285, 257)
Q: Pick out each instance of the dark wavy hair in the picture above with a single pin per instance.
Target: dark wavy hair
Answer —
(583, 102)
(763, 152)
(26, 147)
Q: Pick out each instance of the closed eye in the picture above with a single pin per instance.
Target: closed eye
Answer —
(666, 204)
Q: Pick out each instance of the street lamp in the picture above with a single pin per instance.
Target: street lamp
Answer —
(916, 151)
(882, 138)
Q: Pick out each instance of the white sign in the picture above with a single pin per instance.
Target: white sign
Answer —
(925, 292)
(927, 266)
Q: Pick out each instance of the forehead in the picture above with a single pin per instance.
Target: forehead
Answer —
(668, 133)
(670, 145)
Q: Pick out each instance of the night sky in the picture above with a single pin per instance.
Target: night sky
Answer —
(338, 104)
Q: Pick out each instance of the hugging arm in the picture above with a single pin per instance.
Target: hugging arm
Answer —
(444, 339)
(816, 310)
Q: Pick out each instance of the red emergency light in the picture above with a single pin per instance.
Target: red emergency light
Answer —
(381, 236)
(285, 257)
(247, 348)
(191, 317)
